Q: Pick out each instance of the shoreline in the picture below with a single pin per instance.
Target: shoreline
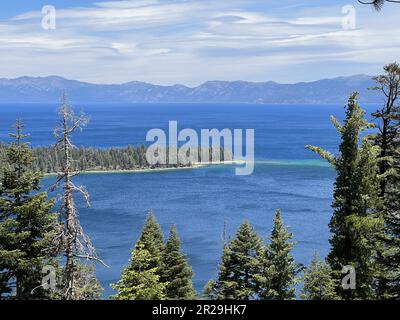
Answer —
(196, 165)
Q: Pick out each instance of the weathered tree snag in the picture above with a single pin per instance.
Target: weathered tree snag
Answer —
(75, 244)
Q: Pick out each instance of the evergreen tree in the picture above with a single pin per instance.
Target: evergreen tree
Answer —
(278, 269)
(388, 140)
(224, 288)
(152, 239)
(140, 281)
(27, 225)
(209, 291)
(318, 282)
(176, 270)
(387, 118)
(239, 267)
(244, 260)
(356, 220)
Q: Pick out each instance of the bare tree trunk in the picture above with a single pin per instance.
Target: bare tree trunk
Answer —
(75, 244)
(69, 210)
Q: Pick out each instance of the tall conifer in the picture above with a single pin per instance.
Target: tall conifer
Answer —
(27, 224)
(152, 239)
(224, 287)
(141, 280)
(278, 268)
(388, 140)
(356, 219)
(176, 270)
(239, 267)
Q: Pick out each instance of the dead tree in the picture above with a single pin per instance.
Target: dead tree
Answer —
(74, 243)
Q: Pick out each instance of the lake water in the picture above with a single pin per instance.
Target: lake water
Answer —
(199, 201)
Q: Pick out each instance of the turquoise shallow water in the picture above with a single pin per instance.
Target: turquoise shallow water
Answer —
(199, 201)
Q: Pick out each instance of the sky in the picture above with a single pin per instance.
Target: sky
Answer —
(193, 41)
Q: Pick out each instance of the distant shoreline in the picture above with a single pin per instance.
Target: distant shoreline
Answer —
(196, 165)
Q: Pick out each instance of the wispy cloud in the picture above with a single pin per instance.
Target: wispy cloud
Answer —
(198, 40)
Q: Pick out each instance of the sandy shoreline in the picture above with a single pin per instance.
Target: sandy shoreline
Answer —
(196, 165)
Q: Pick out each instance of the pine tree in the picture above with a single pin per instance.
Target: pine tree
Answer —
(176, 270)
(388, 140)
(140, 281)
(356, 220)
(239, 267)
(224, 287)
(27, 224)
(209, 291)
(244, 260)
(318, 282)
(278, 269)
(152, 239)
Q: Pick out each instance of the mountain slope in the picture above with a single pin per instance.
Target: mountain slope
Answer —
(49, 89)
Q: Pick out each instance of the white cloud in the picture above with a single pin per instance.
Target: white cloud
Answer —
(194, 41)
(126, 4)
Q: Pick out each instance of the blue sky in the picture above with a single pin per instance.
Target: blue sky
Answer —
(192, 41)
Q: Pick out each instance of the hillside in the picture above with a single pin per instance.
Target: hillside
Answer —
(48, 90)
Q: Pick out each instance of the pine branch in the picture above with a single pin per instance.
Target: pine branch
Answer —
(324, 154)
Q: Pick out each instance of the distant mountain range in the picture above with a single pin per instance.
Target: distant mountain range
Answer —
(49, 89)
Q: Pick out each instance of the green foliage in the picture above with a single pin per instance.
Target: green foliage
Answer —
(140, 281)
(49, 160)
(224, 288)
(244, 260)
(27, 225)
(176, 270)
(152, 239)
(387, 139)
(157, 270)
(323, 154)
(318, 281)
(209, 291)
(278, 269)
(239, 267)
(356, 220)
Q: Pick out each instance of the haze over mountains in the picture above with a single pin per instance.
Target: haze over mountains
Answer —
(49, 89)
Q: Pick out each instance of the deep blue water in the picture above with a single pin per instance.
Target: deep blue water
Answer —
(199, 201)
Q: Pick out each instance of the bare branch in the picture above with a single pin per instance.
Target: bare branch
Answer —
(72, 238)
